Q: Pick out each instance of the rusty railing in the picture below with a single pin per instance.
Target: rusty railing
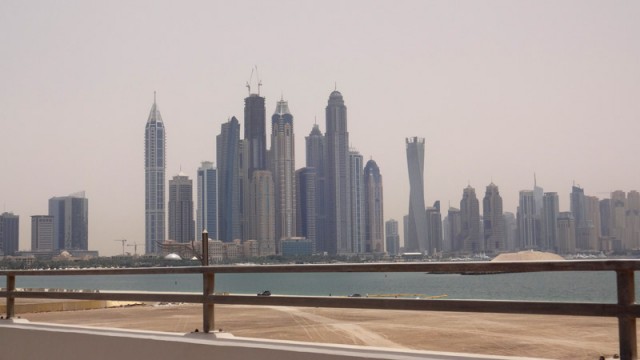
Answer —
(625, 309)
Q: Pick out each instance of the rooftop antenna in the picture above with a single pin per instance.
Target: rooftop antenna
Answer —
(154, 96)
(335, 86)
(535, 182)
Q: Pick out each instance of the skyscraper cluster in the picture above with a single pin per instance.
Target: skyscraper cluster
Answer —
(334, 204)
(65, 228)
(591, 225)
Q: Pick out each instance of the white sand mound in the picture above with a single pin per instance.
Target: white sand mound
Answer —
(528, 256)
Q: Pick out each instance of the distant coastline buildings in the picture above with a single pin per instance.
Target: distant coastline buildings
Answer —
(256, 202)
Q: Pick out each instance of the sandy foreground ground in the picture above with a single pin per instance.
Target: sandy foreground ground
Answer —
(557, 337)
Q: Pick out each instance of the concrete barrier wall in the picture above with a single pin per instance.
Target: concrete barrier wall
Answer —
(65, 306)
(20, 339)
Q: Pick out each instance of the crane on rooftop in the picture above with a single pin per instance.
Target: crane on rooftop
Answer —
(255, 69)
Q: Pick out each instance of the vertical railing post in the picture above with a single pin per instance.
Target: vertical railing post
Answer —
(205, 248)
(207, 286)
(626, 320)
(11, 300)
(207, 306)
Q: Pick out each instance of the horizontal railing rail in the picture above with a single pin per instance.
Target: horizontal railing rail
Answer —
(626, 310)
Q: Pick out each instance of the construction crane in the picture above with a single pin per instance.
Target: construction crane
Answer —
(254, 69)
(135, 248)
(123, 241)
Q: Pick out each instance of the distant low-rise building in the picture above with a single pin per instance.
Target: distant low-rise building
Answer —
(566, 233)
(297, 247)
(42, 233)
(9, 233)
(392, 237)
(70, 221)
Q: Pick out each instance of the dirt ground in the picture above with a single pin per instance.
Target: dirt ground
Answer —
(556, 337)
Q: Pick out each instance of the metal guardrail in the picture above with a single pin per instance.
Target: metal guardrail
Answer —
(626, 310)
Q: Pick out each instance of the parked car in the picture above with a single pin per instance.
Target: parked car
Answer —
(265, 293)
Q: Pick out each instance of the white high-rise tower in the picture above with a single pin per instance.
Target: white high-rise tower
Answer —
(154, 180)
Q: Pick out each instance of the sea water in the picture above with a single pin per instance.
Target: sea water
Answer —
(543, 286)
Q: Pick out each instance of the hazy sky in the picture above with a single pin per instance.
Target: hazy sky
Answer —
(498, 89)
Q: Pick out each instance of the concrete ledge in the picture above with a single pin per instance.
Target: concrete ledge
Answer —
(65, 305)
(22, 339)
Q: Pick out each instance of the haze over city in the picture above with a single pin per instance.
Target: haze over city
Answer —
(500, 90)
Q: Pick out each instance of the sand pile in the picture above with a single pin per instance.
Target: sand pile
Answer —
(529, 255)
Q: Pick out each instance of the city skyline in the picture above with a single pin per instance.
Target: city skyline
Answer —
(532, 87)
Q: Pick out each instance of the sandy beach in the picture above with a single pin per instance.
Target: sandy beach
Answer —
(557, 337)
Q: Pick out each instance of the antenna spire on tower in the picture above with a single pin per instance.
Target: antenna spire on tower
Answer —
(154, 96)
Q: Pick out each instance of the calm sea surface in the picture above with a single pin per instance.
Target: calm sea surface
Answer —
(559, 286)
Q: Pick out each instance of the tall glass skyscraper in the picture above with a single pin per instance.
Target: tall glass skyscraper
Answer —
(181, 224)
(470, 221)
(207, 208)
(549, 223)
(306, 218)
(316, 159)
(154, 182)
(373, 208)
(495, 239)
(255, 133)
(283, 170)
(338, 181)
(356, 164)
(257, 188)
(228, 155)
(527, 221)
(417, 225)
